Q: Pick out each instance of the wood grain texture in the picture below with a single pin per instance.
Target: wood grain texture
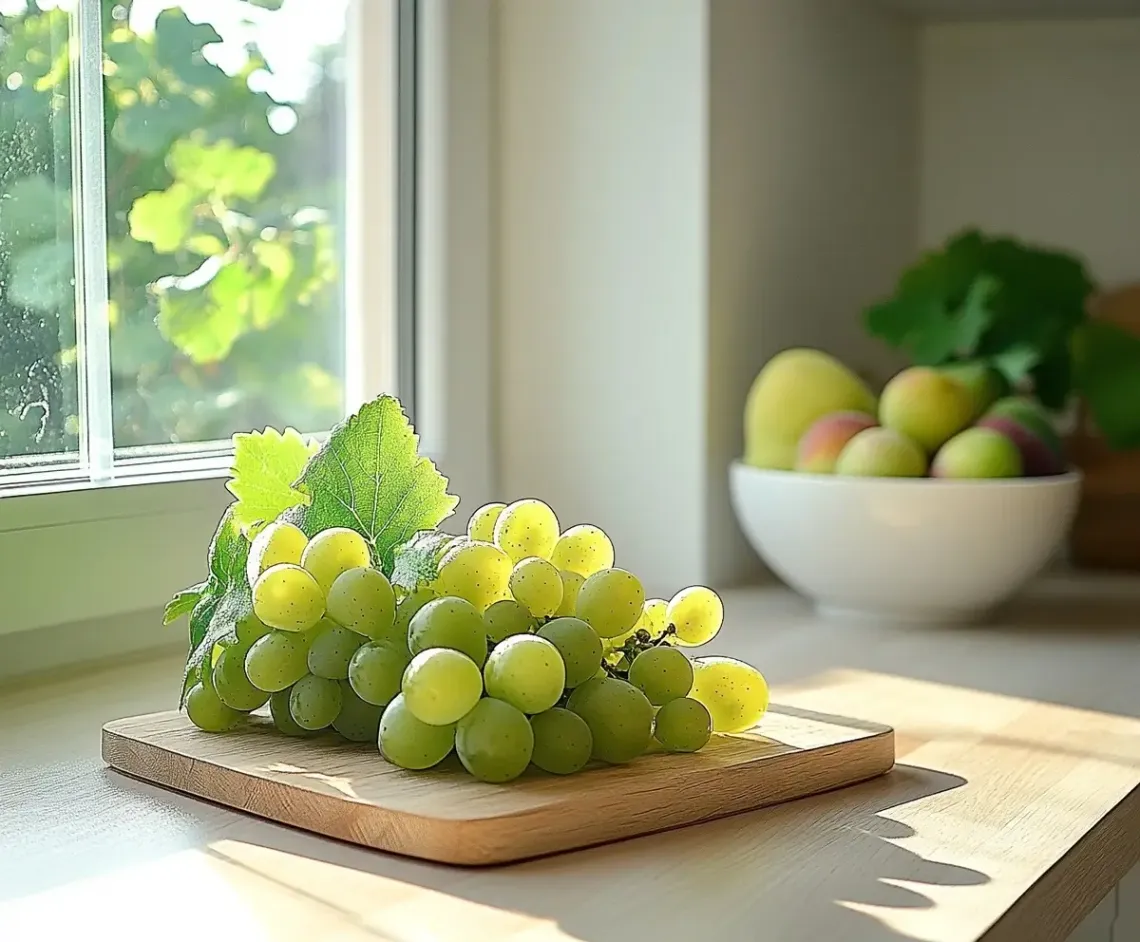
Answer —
(348, 792)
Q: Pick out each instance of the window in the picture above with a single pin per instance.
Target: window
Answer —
(185, 189)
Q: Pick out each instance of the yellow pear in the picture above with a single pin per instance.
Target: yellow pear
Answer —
(793, 390)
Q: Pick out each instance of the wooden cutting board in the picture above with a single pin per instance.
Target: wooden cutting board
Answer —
(348, 791)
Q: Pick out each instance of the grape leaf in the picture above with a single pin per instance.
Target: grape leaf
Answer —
(417, 561)
(183, 603)
(265, 466)
(1106, 362)
(225, 598)
(369, 476)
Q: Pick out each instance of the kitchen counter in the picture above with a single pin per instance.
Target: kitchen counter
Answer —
(1014, 808)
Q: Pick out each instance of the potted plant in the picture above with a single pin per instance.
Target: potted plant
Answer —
(1021, 311)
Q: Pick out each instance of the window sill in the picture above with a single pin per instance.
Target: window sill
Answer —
(92, 552)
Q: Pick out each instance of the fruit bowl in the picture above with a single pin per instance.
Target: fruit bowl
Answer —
(903, 549)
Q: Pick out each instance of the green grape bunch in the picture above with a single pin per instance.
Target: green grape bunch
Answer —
(518, 645)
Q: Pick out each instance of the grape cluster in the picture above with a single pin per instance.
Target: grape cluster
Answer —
(528, 647)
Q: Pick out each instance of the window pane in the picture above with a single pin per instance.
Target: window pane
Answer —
(225, 157)
(38, 389)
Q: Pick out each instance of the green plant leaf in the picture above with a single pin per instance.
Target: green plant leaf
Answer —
(1106, 363)
(225, 598)
(204, 322)
(265, 466)
(42, 277)
(417, 561)
(178, 46)
(995, 300)
(183, 603)
(164, 217)
(147, 128)
(1016, 362)
(221, 170)
(203, 243)
(32, 211)
(920, 320)
(1053, 379)
(369, 476)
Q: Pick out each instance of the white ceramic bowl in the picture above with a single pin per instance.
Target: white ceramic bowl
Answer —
(903, 549)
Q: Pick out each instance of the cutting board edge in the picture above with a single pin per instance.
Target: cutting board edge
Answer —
(479, 841)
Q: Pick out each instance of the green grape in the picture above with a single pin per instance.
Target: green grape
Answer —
(584, 549)
(477, 572)
(536, 584)
(526, 528)
(407, 607)
(231, 684)
(619, 715)
(505, 618)
(494, 741)
(206, 668)
(610, 602)
(282, 718)
(410, 744)
(696, 613)
(288, 598)
(362, 599)
(481, 526)
(314, 702)
(735, 693)
(332, 649)
(358, 720)
(527, 672)
(376, 670)
(579, 645)
(279, 542)
(562, 741)
(662, 674)
(207, 712)
(683, 725)
(449, 623)
(441, 685)
(651, 620)
(571, 586)
(652, 616)
(277, 660)
(333, 551)
(250, 628)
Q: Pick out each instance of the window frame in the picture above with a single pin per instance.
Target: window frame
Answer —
(166, 507)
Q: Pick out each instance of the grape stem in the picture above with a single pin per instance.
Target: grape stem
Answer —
(641, 640)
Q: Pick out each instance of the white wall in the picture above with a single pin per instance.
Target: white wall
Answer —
(1033, 128)
(601, 290)
(779, 149)
(813, 186)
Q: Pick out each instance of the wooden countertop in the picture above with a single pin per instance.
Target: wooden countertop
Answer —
(1014, 808)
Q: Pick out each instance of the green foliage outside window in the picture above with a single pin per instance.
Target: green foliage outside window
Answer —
(223, 238)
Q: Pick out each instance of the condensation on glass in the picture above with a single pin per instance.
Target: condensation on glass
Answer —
(197, 288)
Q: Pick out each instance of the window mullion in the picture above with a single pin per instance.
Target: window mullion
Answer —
(93, 337)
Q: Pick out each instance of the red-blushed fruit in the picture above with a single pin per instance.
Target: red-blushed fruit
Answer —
(1037, 458)
(820, 447)
(1028, 412)
(926, 406)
